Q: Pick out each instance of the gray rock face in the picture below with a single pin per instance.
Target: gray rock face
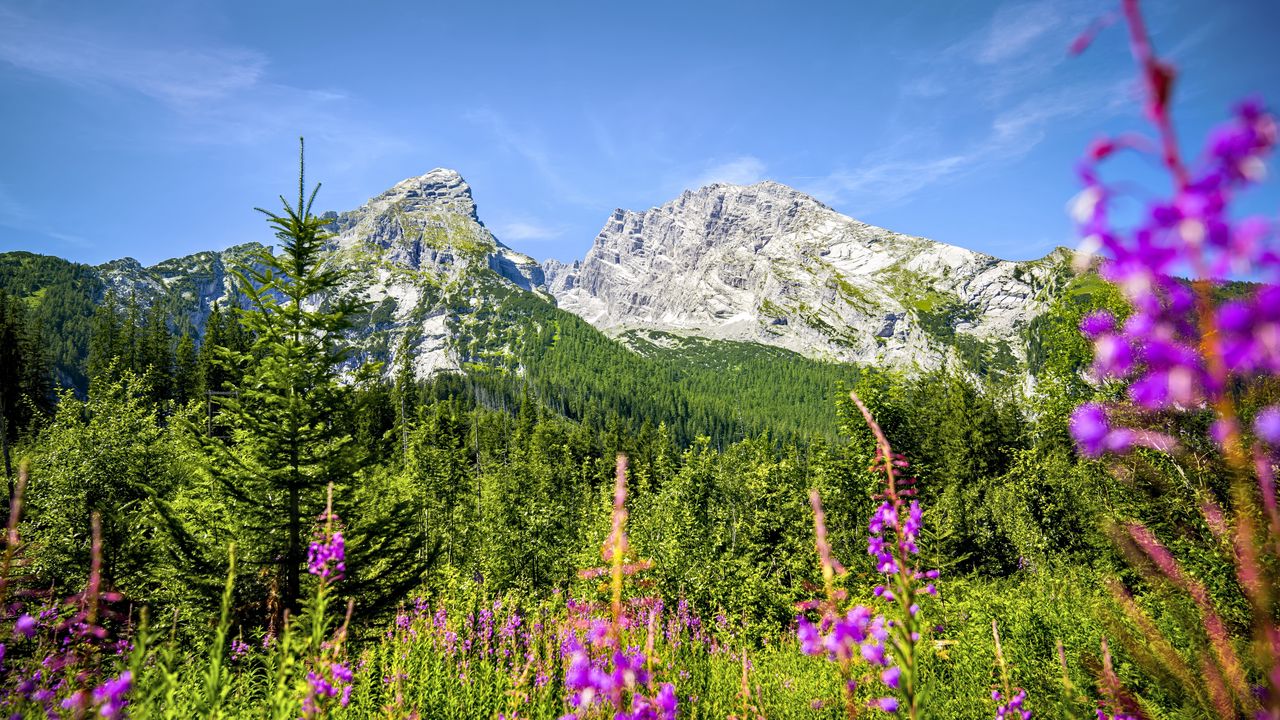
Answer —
(766, 263)
(761, 263)
(419, 256)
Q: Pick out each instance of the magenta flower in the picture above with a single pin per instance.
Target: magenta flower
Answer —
(327, 557)
(810, 640)
(1091, 428)
(1267, 426)
(887, 704)
(874, 654)
(1097, 323)
(109, 697)
(1160, 351)
(1013, 709)
(666, 701)
(25, 626)
(239, 648)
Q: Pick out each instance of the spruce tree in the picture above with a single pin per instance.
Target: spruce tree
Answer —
(105, 341)
(155, 357)
(186, 371)
(285, 445)
(24, 377)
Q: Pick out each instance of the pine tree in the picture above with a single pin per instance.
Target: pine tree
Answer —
(105, 341)
(129, 347)
(25, 379)
(186, 371)
(405, 395)
(155, 355)
(286, 444)
(210, 368)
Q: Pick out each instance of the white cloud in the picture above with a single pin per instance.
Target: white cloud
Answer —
(219, 94)
(1015, 29)
(743, 170)
(179, 76)
(890, 176)
(884, 181)
(528, 145)
(980, 103)
(518, 230)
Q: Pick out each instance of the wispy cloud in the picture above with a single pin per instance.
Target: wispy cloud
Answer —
(16, 216)
(742, 170)
(181, 77)
(1016, 28)
(884, 181)
(892, 175)
(216, 93)
(526, 230)
(529, 145)
(990, 87)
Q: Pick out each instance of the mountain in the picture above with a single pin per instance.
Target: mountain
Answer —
(420, 257)
(767, 264)
(728, 311)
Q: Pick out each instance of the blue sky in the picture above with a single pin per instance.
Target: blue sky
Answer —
(152, 129)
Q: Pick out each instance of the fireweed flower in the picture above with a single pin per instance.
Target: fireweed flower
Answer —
(1093, 433)
(239, 648)
(333, 680)
(604, 677)
(1267, 426)
(109, 697)
(1183, 348)
(863, 643)
(326, 557)
(1012, 709)
(1176, 351)
(25, 626)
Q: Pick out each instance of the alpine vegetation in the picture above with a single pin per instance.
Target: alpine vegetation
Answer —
(750, 459)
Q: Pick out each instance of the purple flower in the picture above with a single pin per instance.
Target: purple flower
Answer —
(887, 704)
(666, 701)
(810, 640)
(239, 649)
(891, 676)
(915, 520)
(874, 654)
(25, 626)
(1012, 708)
(1113, 356)
(110, 696)
(327, 557)
(1097, 323)
(1093, 434)
(1267, 425)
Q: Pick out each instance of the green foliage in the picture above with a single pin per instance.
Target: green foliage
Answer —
(495, 483)
(285, 443)
(106, 455)
(24, 378)
(60, 297)
(724, 390)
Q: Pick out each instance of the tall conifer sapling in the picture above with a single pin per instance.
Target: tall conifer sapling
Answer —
(286, 446)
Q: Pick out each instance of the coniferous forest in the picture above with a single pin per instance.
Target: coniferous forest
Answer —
(246, 519)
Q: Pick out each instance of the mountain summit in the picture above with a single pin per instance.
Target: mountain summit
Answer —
(769, 264)
(762, 263)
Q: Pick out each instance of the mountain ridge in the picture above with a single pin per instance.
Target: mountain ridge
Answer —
(767, 263)
(761, 263)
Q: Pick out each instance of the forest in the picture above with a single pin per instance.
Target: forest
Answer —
(244, 523)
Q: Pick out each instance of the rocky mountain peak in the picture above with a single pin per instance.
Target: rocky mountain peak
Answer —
(710, 216)
(768, 263)
(440, 190)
